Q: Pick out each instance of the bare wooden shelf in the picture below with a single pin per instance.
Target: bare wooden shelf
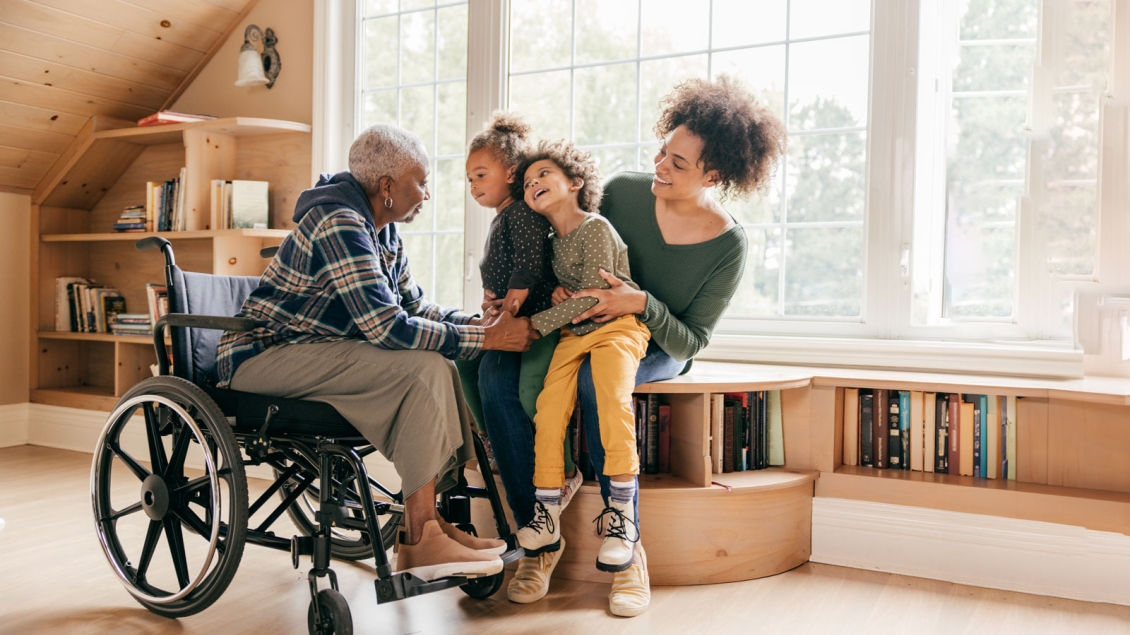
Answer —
(96, 337)
(201, 234)
(84, 397)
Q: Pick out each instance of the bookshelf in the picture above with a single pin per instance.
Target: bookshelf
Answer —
(104, 171)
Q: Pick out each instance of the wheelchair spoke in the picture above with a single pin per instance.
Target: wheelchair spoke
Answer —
(151, 538)
(137, 468)
(136, 507)
(180, 450)
(193, 485)
(175, 536)
(157, 456)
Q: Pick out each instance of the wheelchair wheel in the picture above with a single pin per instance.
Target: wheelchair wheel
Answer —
(345, 544)
(483, 588)
(336, 619)
(169, 496)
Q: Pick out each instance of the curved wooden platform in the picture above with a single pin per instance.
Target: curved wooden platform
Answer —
(761, 526)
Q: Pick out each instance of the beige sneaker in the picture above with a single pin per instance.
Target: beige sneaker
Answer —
(531, 582)
(631, 588)
(620, 536)
(437, 556)
(491, 546)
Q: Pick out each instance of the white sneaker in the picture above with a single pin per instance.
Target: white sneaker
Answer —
(531, 581)
(572, 486)
(620, 536)
(631, 588)
(543, 533)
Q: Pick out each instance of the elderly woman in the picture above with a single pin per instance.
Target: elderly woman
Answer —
(341, 321)
(686, 253)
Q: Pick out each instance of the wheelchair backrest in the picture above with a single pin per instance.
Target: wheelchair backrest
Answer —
(194, 350)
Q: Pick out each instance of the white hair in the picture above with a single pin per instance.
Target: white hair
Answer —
(384, 150)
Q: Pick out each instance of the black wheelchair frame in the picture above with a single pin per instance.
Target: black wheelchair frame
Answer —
(316, 455)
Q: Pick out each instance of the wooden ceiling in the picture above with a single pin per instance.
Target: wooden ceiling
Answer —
(64, 61)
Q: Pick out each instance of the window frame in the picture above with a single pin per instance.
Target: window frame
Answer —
(883, 335)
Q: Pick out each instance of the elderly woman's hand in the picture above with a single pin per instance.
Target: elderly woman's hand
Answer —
(616, 301)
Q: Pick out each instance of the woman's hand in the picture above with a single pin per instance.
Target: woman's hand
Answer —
(560, 294)
(491, 303)
(616, 301)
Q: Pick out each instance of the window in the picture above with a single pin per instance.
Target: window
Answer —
(606, 65)
(413, 72)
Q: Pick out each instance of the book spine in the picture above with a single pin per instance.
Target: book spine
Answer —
(978, 436)
(966, 418)
(741, 411)
(851, 426)
(866, 408)
(953, 428)
(716, 424)
(1013, 458)
(728, 437)
(763, 431)
(941, 422)
(894, 443)
(664, 438)
(776, 426)
(880, 432)
(986, 440)
(652, 434)
(904, 429)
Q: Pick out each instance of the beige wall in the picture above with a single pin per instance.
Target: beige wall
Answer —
(15, 332)
(214, 92)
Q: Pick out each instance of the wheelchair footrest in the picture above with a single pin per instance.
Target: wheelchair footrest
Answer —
(512, 555)
(400, 586)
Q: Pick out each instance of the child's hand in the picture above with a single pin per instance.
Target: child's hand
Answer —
(514, 300)
(490, 302)
(560, 294)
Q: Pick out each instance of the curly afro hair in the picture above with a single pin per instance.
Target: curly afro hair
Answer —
(575, 163)
(506, 135)
(742, 139)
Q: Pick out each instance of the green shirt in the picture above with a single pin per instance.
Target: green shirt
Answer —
(577, 261)
(688, 286)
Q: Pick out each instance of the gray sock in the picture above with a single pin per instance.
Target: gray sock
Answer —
(622, 492)
(548, 496)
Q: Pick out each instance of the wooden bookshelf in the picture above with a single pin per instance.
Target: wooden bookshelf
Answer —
(104, 171)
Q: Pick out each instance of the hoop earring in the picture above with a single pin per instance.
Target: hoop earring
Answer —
(388, 203)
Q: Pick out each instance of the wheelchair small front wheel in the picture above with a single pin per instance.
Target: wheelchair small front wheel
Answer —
(169, 496)
(335, 617)
(483, 588)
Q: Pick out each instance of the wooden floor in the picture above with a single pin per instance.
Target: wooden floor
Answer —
(54, 579)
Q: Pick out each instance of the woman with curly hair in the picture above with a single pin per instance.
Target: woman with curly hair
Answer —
(687, 255)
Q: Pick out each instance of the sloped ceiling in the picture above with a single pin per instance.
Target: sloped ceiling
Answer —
(64, 61)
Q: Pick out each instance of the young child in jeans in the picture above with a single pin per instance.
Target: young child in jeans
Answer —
(516, 261)
(561, 183)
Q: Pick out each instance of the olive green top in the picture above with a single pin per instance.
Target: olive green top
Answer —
(577, 260)
(688, 286)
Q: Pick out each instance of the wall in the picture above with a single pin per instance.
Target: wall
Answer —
(214, 92)
(15, 330)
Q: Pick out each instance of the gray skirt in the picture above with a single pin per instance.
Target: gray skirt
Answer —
(408, 404)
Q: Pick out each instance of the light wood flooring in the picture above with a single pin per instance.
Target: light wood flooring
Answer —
(54, 579)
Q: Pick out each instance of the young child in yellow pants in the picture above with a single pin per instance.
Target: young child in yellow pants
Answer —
(561, 183)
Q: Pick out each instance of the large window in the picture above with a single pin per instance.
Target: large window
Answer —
(594, 71)
(413, 72)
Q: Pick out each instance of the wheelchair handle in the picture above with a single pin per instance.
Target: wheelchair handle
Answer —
(157, 242)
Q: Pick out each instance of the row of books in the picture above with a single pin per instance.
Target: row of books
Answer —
(84, 306)
(948, 433)
(165, 204)
(653, 434)
(136, 218)
(746, 431)
(240, 204)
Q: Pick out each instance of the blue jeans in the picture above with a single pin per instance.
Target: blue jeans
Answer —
(511, 432)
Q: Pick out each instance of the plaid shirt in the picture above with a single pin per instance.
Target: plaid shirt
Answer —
(335, 278)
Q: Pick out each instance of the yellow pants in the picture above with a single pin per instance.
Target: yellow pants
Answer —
(615, 350)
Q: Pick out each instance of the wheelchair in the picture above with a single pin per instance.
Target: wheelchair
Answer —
(187, 444)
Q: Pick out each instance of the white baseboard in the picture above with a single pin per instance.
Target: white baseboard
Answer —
(987, 551)
(78, 430)
(13, 424)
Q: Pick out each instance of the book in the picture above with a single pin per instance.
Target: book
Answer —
(953, 430)
(166, 117)
(717, 414)
(904, 429)
(851, 426)
(866, 408)
(744, 420)
(652, 431)
(158, 298)
(762, 432)
(992, 437)
(63, 302)
(249, 205)
(664, 438)
(917, 425)
(1012, 413)
(880, 434)
(929, 431)
(983, 425)
(966, 414)
(894, 430)
(776, 428)
(977, 431)
(111, 307)
(728, 435)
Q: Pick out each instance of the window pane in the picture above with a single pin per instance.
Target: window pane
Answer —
(999, 67)
(408, 5)
(453, 42)
(980, 270)
(743, 22)
(418, 249)
(606, 30)
(762, 70)
(452, 118)
(380, 107)
(1086, 45)
(448, 187)
(813, 18)
(417, 113)
(657, 79)
(379, 7)
(612, 160)
(605, 105)
(826, 177)
(824, 271)
(675, 26)
(828, 83)
(417, 47)
(759, 208)
(1069, 219)
(449, 264)
(999, 19)
(758, 290)
(379, 57)
(540, 32)
(543, 99)
(987, 139)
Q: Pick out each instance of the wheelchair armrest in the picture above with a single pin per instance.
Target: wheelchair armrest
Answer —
(215, 322)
